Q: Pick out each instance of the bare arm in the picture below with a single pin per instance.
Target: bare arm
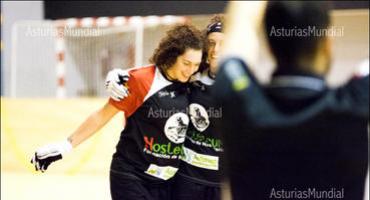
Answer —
(92, 124)
(243, 24)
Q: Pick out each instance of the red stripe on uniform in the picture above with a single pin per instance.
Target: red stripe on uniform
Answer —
(139, 84)
(60, 56)
(61, 81)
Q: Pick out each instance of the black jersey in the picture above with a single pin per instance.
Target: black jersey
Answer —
(202, 145)
(295, 138)
(156, 123)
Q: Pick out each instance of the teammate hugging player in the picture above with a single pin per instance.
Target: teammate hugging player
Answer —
(199, 173)
(149, 149)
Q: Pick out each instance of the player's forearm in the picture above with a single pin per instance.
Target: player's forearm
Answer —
(92, 124)
(243, 24)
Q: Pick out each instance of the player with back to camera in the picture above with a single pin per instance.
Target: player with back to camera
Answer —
(296, 137)
(138, 170)
(199, 173)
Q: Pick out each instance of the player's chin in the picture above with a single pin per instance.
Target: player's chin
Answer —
(184, 79)
(213, 63)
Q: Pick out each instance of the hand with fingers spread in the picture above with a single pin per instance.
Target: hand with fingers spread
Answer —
(115, 84)
(47, 154)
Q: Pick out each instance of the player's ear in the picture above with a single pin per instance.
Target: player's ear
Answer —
(328, 41)
(322, 57)
(327, 50)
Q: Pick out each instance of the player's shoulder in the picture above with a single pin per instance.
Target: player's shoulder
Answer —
(355, 95)
(139, 84)
(141, 79)
(202, 78)
(142, 72)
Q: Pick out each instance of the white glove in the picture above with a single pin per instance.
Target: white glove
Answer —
(47, 154)
(115, 84)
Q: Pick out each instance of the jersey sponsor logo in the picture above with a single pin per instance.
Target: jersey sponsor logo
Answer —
(202, 140)
(167, 93)
(199, 117)
(162, 172)
(200, 160)
(167, 151)
(176, 127)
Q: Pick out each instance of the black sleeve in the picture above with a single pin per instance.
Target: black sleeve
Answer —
(228, 90)
(354, 96)
(237, 89)
(234, 79)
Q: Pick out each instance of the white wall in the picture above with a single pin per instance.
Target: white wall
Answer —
(13, 11)
(348, 51)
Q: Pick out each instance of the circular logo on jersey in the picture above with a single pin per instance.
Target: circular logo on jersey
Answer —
(176, 127)
(199, 116)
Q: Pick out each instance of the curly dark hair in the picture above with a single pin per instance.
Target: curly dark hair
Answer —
(215, 19)
(177, 41)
